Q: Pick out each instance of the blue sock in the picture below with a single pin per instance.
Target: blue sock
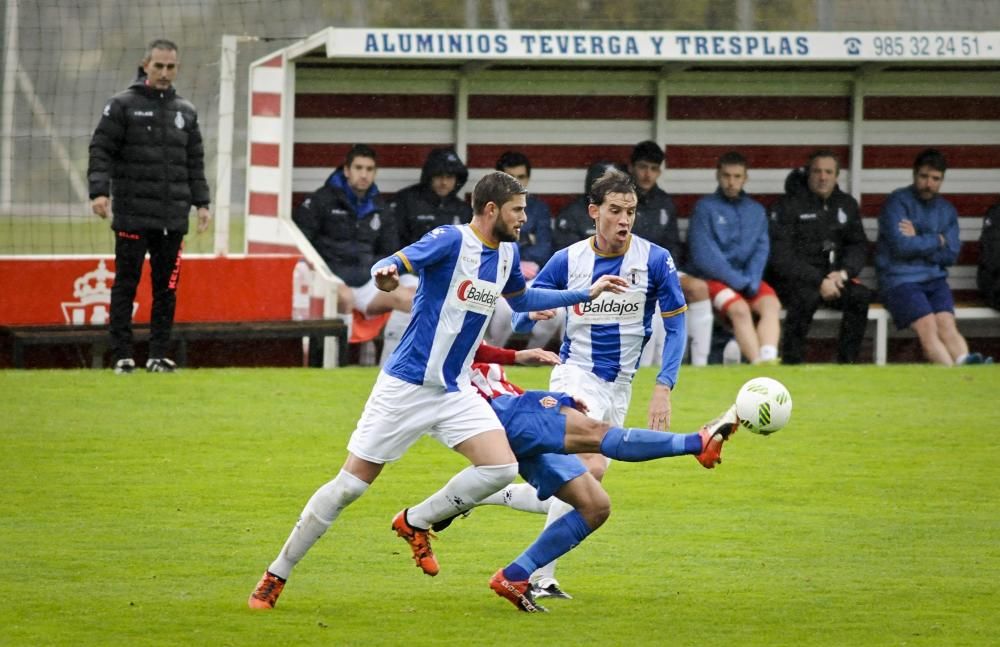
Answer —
(636, 445)
(558, 539)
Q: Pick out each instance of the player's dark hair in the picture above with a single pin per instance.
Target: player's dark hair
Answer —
(360, 150)
(647, 151)
(510, 159)
(612, 181)
(496, 187)
(159, 43)
(732, 158)
(822, 152)
(931, 157)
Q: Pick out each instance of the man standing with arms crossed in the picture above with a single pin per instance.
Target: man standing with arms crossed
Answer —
(147, 154)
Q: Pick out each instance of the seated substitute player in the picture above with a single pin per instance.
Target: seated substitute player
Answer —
(604, 339)
(345, 221)
(729, 243)
(918, 240)
(544, 428)
(425, 386)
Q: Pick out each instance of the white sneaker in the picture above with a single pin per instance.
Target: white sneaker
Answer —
(548, 587)
(160, 365)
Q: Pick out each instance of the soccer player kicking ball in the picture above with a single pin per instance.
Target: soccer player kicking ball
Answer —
(542, 428)
(425, 387)
(604, 339)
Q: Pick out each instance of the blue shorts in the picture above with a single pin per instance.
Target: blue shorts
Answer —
(908, 302)
(536, 431)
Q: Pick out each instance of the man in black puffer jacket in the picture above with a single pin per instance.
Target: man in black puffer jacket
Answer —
(147, 154)
(818, 249)
(434, 200)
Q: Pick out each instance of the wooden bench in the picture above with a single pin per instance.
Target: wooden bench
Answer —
(881, 317)
(96, 337)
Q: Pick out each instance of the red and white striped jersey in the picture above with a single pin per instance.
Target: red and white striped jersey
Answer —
(491, 381)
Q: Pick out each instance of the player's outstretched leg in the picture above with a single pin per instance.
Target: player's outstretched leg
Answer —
(714, 434)
(419, 541)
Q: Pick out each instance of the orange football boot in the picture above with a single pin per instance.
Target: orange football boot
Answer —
(265, 596)
(714, 434)
(420, 543)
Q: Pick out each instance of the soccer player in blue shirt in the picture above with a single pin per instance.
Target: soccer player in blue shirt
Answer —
(542, 428)
(425, 386)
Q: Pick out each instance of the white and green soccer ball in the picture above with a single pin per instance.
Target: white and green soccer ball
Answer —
(763, 405)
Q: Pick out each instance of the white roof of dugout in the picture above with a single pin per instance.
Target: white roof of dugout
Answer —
(676, 49)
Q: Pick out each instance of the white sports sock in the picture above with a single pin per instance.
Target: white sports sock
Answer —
(461, 493)
(699, 328)
(557, 509)
(519, 496)
(320, 512)
(768, 352)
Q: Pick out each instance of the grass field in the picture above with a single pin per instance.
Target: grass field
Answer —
(91, 235)
(141, 510)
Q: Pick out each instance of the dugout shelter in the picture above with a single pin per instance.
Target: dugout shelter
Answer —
(568, 98)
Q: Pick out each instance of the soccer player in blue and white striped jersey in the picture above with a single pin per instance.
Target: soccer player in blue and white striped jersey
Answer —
(604, 338)
(425, 386)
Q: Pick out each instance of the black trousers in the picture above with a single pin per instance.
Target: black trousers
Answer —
(164, 249)
(801, 303)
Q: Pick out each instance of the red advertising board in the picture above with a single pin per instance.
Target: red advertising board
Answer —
(78, 290)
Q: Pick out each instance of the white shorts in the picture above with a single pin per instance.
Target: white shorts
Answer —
(606, 401)
(398, 413)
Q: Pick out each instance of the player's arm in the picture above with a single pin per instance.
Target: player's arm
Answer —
(672, 308)
(436, 244)
(488, 354)
(552, 276)
(892, 230)
(948, 252)
(533, 299)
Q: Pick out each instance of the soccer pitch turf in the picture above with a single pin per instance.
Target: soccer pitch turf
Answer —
(142, 510)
